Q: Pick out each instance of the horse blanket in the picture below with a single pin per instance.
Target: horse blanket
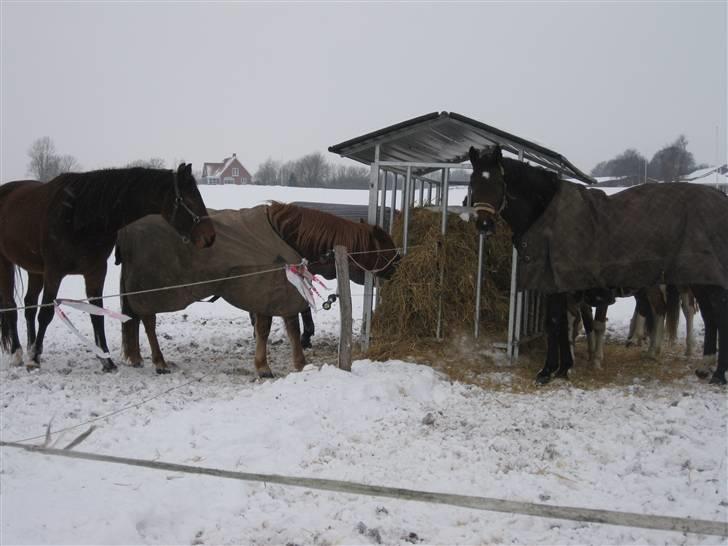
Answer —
(153, 255)
(645, 235)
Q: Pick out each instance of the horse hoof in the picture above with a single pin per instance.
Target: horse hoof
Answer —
(162, 371)
(306, 344)
(718, 379)
(32, 367)
(109, 367)
(543, 378)
(702, 374)
(136, 365)
(266, 374)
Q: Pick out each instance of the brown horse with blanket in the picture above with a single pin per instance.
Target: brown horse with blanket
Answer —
(251, 251)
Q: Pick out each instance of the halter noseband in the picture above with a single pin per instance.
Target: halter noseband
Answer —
(179, 202)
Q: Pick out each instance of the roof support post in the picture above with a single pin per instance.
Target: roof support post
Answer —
(393, 206)
(383, 207)
(479, 280)
(406, 190)
(366, 323)
(443, 229)
(422, 192)
(429, 193)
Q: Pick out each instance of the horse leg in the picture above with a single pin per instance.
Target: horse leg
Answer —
(150, 327)
(262, 331)
(721, 302)
(710, 320)
(672, 313)
(94, 289)
(600, 329)
(687, 302)
(51, 284)
(293, 329)
(130, 342)
(588, 320)
(9, 319)
(555, 318)
(574, 321)
(656, 297)
(309, 328)
(35, 285)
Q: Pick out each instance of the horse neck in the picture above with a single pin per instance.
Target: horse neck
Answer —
(529, 191)
(114, 198)
(148, 197)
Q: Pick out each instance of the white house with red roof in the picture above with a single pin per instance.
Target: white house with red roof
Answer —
(229, 171)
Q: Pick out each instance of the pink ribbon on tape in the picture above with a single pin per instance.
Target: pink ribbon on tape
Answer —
(300, 277)
(92, 310)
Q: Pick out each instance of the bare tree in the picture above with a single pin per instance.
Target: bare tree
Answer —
(312, 170)
(672, 161)
(268, 173)
(45, 164)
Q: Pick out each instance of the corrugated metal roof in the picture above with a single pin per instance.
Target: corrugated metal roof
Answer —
(446, 137)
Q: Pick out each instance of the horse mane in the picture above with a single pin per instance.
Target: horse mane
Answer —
(525, 179)
(103, 196)
(312, 232)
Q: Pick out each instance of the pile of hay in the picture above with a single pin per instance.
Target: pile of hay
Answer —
(406, 316)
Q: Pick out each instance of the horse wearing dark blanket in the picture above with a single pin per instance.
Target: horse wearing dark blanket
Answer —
(255, 242)
(570, 238)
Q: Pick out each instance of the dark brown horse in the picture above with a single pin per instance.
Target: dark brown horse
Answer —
(68, 226)
(257, 241)
(570, 238)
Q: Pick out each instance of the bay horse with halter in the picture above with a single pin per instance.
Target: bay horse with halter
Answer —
(68, 226)
(570, 238)
(252, 249)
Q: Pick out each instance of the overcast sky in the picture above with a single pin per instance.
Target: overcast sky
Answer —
(114, 82)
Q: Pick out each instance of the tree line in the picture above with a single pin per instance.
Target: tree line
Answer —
(312, 170)
(667, 165)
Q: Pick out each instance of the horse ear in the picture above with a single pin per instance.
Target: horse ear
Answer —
(497, 153)
(188, 168)
(473, 153)
(181, 168)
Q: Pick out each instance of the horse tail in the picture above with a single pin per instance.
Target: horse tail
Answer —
(673, 313)
(6, 327)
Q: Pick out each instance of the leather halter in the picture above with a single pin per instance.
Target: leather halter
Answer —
(179, 202)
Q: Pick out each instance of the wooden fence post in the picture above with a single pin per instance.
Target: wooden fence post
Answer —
(344, 292)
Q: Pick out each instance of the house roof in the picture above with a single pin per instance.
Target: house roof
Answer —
(708, 172)
(446, 137)
(216, 169)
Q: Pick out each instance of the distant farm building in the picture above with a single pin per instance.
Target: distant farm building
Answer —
(716, 177)
(228, 171)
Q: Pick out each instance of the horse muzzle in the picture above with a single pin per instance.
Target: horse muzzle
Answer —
(203, 234)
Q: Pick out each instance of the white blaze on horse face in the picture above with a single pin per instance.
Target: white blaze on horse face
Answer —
(485, 174)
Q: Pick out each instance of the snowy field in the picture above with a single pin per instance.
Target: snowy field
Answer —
(648, 448)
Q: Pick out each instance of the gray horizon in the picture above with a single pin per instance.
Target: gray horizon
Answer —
(114, 82)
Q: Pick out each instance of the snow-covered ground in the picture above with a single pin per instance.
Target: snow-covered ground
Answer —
(649, 448)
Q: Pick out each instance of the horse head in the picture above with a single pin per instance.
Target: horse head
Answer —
(488, 187)
(185, 210)
(380, 257)
(387, 259)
